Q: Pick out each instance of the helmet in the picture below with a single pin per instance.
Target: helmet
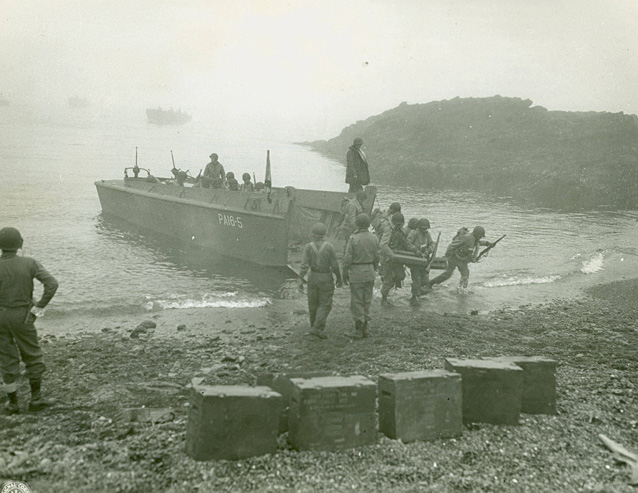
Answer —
(214, 155)
(397, 218)
(230, 175)
(394, 207)
(245, 176)
(361, 195)
(319, 229)
(424, 224)
(357, 141)
(10, 239)
(362, 221)
(413, 223)
(479, 232)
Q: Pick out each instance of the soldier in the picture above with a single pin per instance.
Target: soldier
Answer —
(320, 258)
(213, 172)
(421, 239)
(411, 226)
(462, 250)
(393, 272)
(247, 185)
(381, 220)
(357, 173)
(353, 208)
(360, 264)
(18, 337)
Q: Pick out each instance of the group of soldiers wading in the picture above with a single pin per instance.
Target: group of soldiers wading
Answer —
(367, 253)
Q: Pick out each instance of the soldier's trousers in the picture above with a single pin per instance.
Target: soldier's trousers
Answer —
(419, 279)
(454, 263)
(18, 339)
(360, 300)
(392, 274)
(321, 288)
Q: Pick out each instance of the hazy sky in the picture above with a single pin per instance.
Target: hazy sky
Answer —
(318, 65)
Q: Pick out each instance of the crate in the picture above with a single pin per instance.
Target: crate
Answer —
(232, 422)
(332, 413)
(420, 405)
(492, 390)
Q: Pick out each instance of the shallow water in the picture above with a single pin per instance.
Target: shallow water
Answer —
(50, 162)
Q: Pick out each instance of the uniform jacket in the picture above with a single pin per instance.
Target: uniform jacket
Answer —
(16, 281)
(464, 246)
(394, 239)
(352, 210)
(419, 238)
(215, 170)
(319, 258)
(362, 256)
(356, 167)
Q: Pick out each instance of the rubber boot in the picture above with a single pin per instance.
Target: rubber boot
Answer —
(37, 402)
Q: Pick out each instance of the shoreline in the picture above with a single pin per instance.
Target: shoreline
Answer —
(82, 445)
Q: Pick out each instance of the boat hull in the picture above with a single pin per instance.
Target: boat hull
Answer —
(226, 222)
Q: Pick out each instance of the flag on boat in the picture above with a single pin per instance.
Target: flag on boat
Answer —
(268, 179)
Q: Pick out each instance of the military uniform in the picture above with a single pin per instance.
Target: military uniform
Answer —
(359, 268)
(461, 251)
(18, 337)
(320, 258)
(352, 209)
(422, 241)
(393, 272)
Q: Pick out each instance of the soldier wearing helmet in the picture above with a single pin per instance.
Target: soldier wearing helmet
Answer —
(411, 226)
(357, 172)
(381, 220)
(320, 258)
(421, 239)
(232, 182)
(360, 264)
(213, 172)
(393, 272)
(462, 250)
(18, 337)
(246, 185)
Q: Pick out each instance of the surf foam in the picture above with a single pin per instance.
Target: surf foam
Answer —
(514, 281)
(594, 264)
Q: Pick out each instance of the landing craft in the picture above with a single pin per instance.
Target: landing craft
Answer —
(263, 228)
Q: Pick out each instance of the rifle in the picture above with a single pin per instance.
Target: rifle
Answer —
(485, 250)
(436, 247)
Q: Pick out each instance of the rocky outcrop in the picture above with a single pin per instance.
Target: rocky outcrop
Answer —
(558, 159)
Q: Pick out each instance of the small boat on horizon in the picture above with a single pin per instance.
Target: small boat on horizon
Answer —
(167, 117)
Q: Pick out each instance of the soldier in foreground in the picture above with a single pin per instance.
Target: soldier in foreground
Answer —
(360, 264)
(462, 250)
(320, 258)
(392, 272)
(18, 337)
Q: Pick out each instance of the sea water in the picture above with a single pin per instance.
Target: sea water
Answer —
(49, 162)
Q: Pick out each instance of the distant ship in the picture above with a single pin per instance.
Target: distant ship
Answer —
(77, 102)
(167, 117)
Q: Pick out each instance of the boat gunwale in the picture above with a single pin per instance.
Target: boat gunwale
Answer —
(182, 200)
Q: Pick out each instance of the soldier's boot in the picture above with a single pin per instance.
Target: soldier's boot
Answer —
(318, 333)
(11, 406)
(385, 301)
(414, 301)
(37, 402)
(356, 333)
(364, 329)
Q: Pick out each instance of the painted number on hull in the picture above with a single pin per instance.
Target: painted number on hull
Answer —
(228, 220)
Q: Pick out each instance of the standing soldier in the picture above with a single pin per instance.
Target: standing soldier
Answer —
(421, 239)
(320, 258)
(18, 337)
(360, 264)
(393, 272)
(213, 172)
(357, 173)
(353, 208)
(462, 250)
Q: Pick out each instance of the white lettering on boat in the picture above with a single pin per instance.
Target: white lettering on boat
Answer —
(228, 220)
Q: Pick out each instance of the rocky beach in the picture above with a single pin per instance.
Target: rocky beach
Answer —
(98, 367)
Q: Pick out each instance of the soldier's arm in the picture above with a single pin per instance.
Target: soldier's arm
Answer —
(305, 263)
(385, 243)
(347, 258)
(49, 282)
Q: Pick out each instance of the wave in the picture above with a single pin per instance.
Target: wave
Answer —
(515, 281)
(594, 264)
(218, 300)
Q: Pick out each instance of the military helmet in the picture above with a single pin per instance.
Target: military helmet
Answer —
(245, 176)
(413, 223)
(230, 175)
(397, 218)
(362, 221)
(479, 232)
(424, 224)
(10, 239)
(357, 141)
(319, 229)
(214, 155)
(394, 207)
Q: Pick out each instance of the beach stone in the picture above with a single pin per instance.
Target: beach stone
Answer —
(146, 324)
(181, 327)
(332, 413)
(539, 383)
(420, 405)
(492, 390)
(232, 422)
(280, 382)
